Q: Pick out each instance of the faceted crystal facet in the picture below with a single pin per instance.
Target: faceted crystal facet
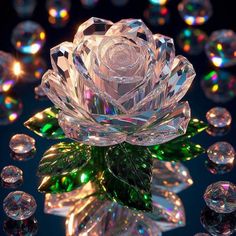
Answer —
(7, 77)
(192, 41)
(89, 134)
(33, 68)
(167, 129)
(171, 176)
(157, 15)
(28, 227)
(195, 12)
(60, 204)
(219, 117)
(106, 219)
(219, 169)
(116, 82)
(221, 153)
(218, 224)
(221, 197)
(168, 211)
(24, 8)
(19, 205)
(219, 86)
(22, 144)
(11, 176)
(221, 47)
(39, 93)
(28, 37)
(10, 109)
(84, 218)
(93, 26)
(181, 78)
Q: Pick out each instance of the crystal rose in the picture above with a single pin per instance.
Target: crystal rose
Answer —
(118, 82)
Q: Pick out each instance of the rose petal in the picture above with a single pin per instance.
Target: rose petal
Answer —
(55, 90)
(110, 91)
(165, 53)
(165, 129)
(181, 78)
(93, 26)
(132, 28)
(89, 133)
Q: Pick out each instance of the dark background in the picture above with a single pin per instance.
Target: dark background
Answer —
(223, 17)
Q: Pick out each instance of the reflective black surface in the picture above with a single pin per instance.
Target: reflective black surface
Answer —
(223, 17)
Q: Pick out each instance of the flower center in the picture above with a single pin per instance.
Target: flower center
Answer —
(121, 56)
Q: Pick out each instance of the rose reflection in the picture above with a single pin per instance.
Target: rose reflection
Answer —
(218, 224)
(27, 227)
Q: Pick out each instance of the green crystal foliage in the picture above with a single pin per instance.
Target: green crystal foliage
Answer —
(195, 127)
(67, 183)
(127, 178)
(176, 151)
(63, 158)
(45, 124)
(68, 166)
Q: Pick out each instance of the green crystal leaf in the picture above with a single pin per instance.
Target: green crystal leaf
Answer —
(45, 124)
(80, 164)
(176, 151)
(127, 178)
(63, 158)
(67, 183)
(195, 127)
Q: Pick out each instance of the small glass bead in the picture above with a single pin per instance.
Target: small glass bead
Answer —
(11, 177)
(219, 117)
(221, 48)
(22, 143)
(192, 41)
(8, 72)
(10, 109)
(157, 15)
(28, 37)
(221, 197)
(24, 8)
(219, 86)
(195, 12)
(221, 153)
(19, 205)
